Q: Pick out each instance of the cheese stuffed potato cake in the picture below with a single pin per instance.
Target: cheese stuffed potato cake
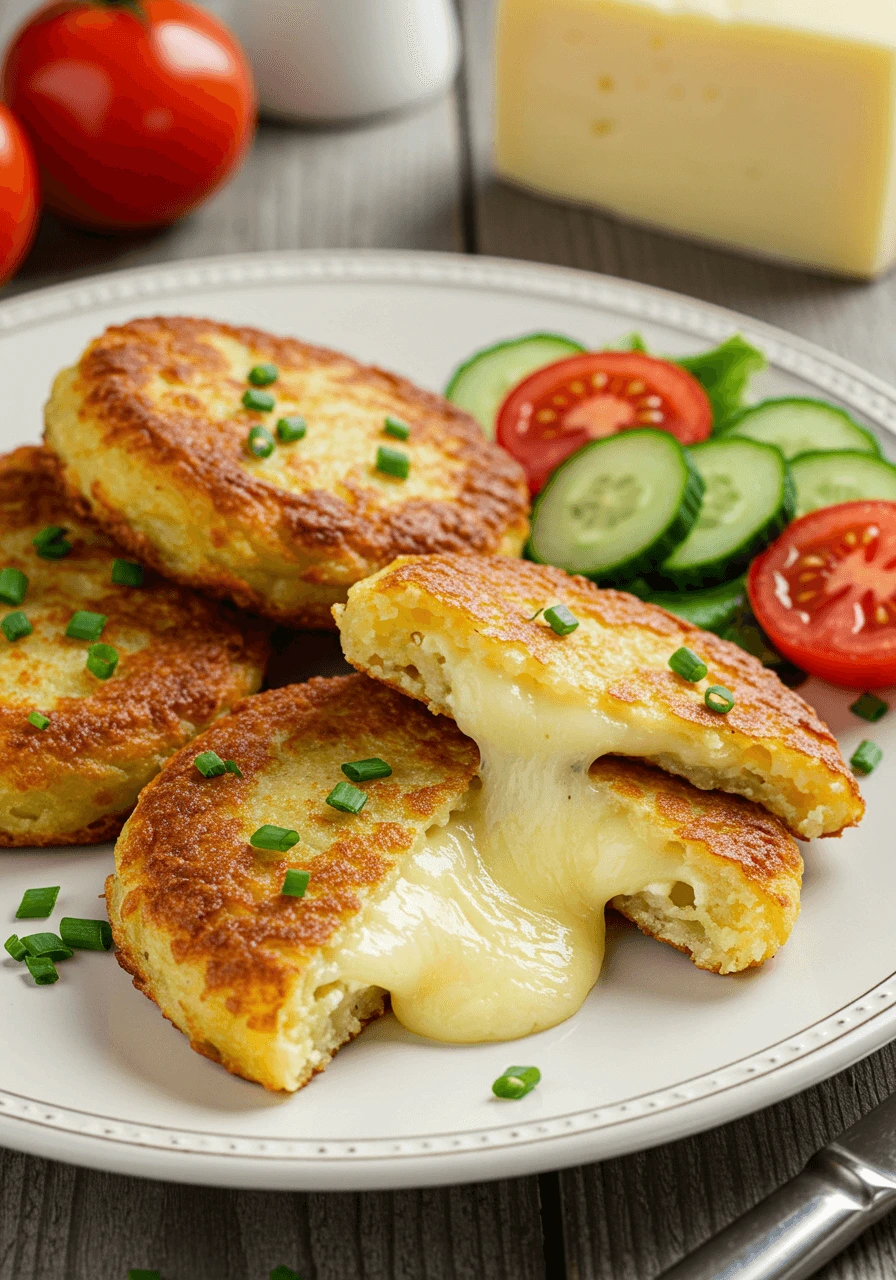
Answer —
(412, 892)
(468, 637)
(153, 426)
(71, 772)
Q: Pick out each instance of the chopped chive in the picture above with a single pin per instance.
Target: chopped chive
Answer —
(37, 904)
(231, 766)
(866, 757)
(15, 626)
(262, 375)
(13, 945)
(13, 585)
(516, 1082)
(367, 770)
(102, 660)
(85, 625)
(392, 462)
(395, 427)
(260, 442)
(284, 1273)
(261, 401)
(346, 798)
(210, 764)
(51, 543)
(85, 935)
(46, 944)
(869, 707)
(561, 620)
(291, 429)
(719, 699)
(281, 839)
(688, 665)
(39, 720)
(42, 970)
(127, 574)
(295, 883)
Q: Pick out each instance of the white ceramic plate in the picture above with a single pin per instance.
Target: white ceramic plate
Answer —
(89, 1070)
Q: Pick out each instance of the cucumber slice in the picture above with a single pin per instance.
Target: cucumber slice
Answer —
(481, 383)
(713, 609)
(843, 475)
(799, 425)
(617, 507)
(749, 499)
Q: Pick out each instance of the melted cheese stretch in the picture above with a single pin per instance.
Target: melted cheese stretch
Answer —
(496, 927)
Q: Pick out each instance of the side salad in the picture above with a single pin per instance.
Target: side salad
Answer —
(655, 475)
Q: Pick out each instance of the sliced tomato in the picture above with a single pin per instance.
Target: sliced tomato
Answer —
(559, 408)
(825, 592)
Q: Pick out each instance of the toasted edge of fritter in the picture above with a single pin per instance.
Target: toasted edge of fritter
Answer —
(286, 554)
(407, 624)
(75, 781)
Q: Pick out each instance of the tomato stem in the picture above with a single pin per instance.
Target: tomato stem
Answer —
(133, 6)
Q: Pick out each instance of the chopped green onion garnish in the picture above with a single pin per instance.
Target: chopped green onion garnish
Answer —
(39, 720)
(14, 946)
(395, 427)
(102, 660)
(263, 375)
(51, 543)
(866, 757)
(393, 462)
(42, 970)
(127, 574)
(291, 429)
(85, 625)
(719, 699)
(85, 935)
(210, 764)
(13, 585)
(367, 770)
(260, 442)
(15, 626)
(516, 1082)
(869, 707)
(295, 883)
(346, 798)
(261, 401)
(46, 944)
(284, 1273)
(37, 904)
(280, 839)
(231, 766)
(688, 665)
(561, 620)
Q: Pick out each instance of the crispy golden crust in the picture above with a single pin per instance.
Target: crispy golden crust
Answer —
(185, 863)
(616, 662)
(182, 662)
(152, 437)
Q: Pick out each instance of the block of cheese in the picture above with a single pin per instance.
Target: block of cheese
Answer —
(764, 125)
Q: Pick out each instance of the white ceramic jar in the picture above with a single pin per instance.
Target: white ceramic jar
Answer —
(330, 60)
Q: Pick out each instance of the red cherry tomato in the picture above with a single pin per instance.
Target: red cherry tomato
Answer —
(559, 408)
(137, 111)
(19, 194)
(825, 592)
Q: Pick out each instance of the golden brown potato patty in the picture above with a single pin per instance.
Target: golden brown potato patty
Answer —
(153, 438)
(182, 661)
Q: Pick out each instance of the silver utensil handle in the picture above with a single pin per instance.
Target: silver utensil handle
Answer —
(800, 1227)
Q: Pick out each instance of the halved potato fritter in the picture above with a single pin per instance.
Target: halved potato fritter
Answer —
(153, 437)
(182, 661)
(411, 895)
(462, 636)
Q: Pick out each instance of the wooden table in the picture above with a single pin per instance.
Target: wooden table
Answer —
(422, 181)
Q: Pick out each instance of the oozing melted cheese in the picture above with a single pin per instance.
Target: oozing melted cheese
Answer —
(496, 926)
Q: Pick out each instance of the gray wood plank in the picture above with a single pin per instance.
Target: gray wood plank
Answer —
(628, 1219)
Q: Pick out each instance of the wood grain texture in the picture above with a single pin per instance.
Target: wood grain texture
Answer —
(629, 1219)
